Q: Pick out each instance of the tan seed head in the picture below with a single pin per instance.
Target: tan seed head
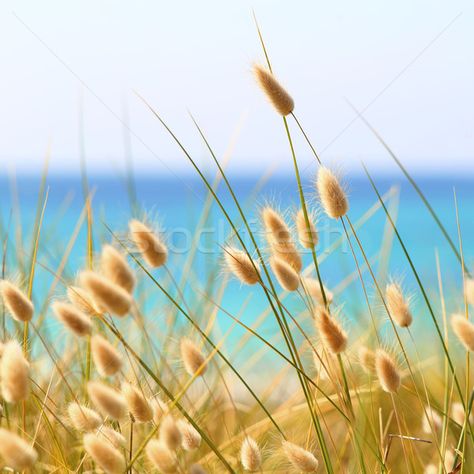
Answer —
(242, 266)
(196, 469)
(308, 237)
(367, 359)
(397, 305)
(137, 403)
(313, 287)
(170, 435)
(17, 454)
(333, 337)
(464, 330)
(388, 372)
(153, 250)
(17, 303)
(115, 267)
(109, 458)
(332, 195)
(74, 319)
(106, 357)
(83, 418)
(301, 459)
(458, 414)
(107, 400)
(105, 293)
(162, 458)
(276, 94)
(82, 300)
(192, 357)
(111, 436)
(14, 373)
(285, 274)
(279, 238)
(431, 421)
(159, 408)
(190, 437)
(250, 455)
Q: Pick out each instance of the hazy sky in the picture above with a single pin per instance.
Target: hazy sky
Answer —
(409, 64)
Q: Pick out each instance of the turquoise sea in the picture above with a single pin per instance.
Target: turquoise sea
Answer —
(176, 205)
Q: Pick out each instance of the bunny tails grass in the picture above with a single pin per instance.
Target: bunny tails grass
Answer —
(104, 454)
(14, 373)
(83, 418)
(388, 372)
(225, 352)
(334, 338)
(301, 459)
(250, 455)
(76, 321)
(115, 267)
(105, 293)
(464, 331)
(285, 274)
(242, 266)
(397, 305)
(308, 237)
(192, 357)
(16, 453)
(138, 405)
(161, 457)
(190, 437)
(276, 94)
(331, 194)
(153, 250)
(17, 303)
(107, 358)
(107, 400)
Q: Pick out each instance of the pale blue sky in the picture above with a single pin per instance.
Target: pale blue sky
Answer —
(411, 62)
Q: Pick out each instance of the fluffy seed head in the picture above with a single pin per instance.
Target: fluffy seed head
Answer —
(104, 454)
(458, 414)
(105, 293)
(242, 266)
(332, 195)
(300, 458)
(190, 437)
(15, 451)
(367, 359)
(196, 469)
(81, 300)
(431, 421)
(276, 94)
(159, 409)
(170, 435)
(137, 403)
(83, 418)
(464, 330)
(250, 455)
(469, 290)
(285, 274)
(333, 337)
(74, 319)
(279, 238)
(313, 288)
(153, 251)
(107, 400)
(387, 370)
(115, 267)
(112, 436)
(161, 456)
(14, 373)
(308, 238)
(397, 305)
(192, 357)
(17, 303)
(106, 357)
